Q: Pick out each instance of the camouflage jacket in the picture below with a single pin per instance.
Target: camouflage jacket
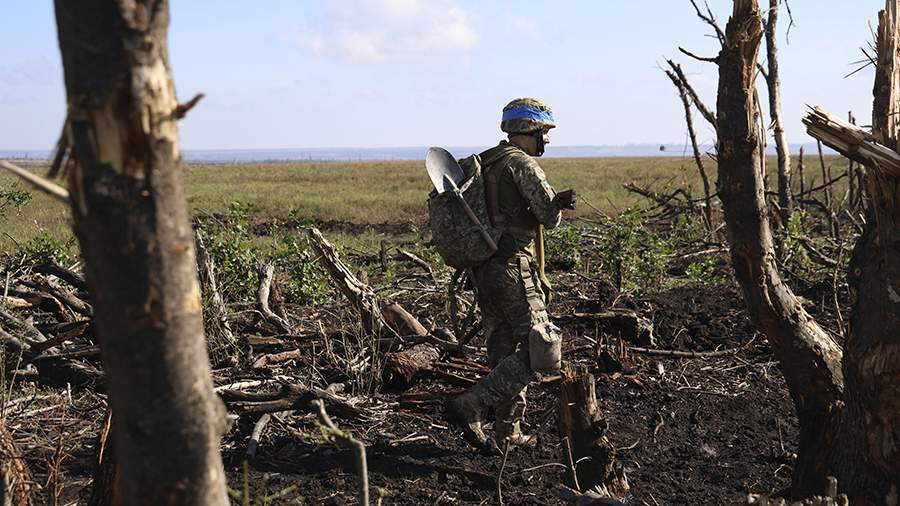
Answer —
(519, 197)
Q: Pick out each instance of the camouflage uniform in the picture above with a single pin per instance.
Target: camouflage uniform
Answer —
(508, 290)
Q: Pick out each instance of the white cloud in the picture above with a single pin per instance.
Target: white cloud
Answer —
(375, 31)
(356, 46)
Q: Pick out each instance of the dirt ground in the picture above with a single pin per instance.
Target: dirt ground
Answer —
(698, 430)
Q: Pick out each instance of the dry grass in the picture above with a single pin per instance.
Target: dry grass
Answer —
(378, 192)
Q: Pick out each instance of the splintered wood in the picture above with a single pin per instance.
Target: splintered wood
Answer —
(851, 141)
(591, 457)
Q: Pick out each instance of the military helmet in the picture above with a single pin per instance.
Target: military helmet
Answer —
(525, 116)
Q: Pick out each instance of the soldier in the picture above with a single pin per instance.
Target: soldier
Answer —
(510, 286)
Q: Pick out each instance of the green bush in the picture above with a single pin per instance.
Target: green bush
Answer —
(703, 272)
(236, 255)
(793, 255)
(230, 245)
(562, 247)
(305, 282)
(13, 198)
(636, 256)
(44, 247)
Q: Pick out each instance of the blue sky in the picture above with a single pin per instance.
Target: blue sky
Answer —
(382, 73)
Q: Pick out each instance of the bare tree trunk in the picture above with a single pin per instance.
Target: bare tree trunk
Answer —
(781, 144)
(131, 221)
(810, 358)
(867, 465)
(698, 158)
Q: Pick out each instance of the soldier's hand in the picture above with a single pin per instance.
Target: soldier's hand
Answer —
(566, 199)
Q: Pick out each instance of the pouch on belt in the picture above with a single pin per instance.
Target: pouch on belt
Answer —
(545, 347)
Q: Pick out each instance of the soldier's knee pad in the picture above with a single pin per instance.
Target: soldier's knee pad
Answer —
(545, 347)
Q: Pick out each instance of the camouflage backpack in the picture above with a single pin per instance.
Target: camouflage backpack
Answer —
(455, 237)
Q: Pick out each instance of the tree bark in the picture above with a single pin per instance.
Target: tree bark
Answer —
(583, 430)
(869, 468)
(809, 358)
(131, 221)
(785, 202)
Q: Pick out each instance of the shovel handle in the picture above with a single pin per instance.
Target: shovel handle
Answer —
(486, 236)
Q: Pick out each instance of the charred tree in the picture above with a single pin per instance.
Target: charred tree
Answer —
(868, 463)
(809, 357)
(682, 86)
(582, 427)
(849, 416)
(120, 151)
(773, 81)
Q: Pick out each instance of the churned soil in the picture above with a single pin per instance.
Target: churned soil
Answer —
(689, 431)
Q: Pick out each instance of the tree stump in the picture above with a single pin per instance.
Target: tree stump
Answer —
(590, 456)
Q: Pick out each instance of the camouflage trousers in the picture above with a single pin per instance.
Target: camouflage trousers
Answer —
(511, 302)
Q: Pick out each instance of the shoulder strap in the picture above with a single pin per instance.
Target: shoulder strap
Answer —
(492, 174)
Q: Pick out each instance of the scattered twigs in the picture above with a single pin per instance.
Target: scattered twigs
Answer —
(68, 298)
(682, 354)
(345, 439)
(829, 197)
(16, 485)
(104, 489)
(418, 261)
(207, 271)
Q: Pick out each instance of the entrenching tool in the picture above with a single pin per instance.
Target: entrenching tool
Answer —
(539, 258)
(446, 175)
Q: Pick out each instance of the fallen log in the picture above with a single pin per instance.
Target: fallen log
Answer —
(43, 302)
(590, 455)
(359, 294)
(290, 397)
(263, 361)
(625, 324)
(51, 268)
(401, 368)
(64, 296)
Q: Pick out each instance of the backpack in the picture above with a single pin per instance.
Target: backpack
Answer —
(455, 237)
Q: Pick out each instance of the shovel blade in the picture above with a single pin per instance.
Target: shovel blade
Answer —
(440, 164)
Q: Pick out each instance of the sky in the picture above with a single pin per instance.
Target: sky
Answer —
(390, 73)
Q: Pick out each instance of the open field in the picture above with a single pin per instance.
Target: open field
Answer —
(689, 429)
(365, 193)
